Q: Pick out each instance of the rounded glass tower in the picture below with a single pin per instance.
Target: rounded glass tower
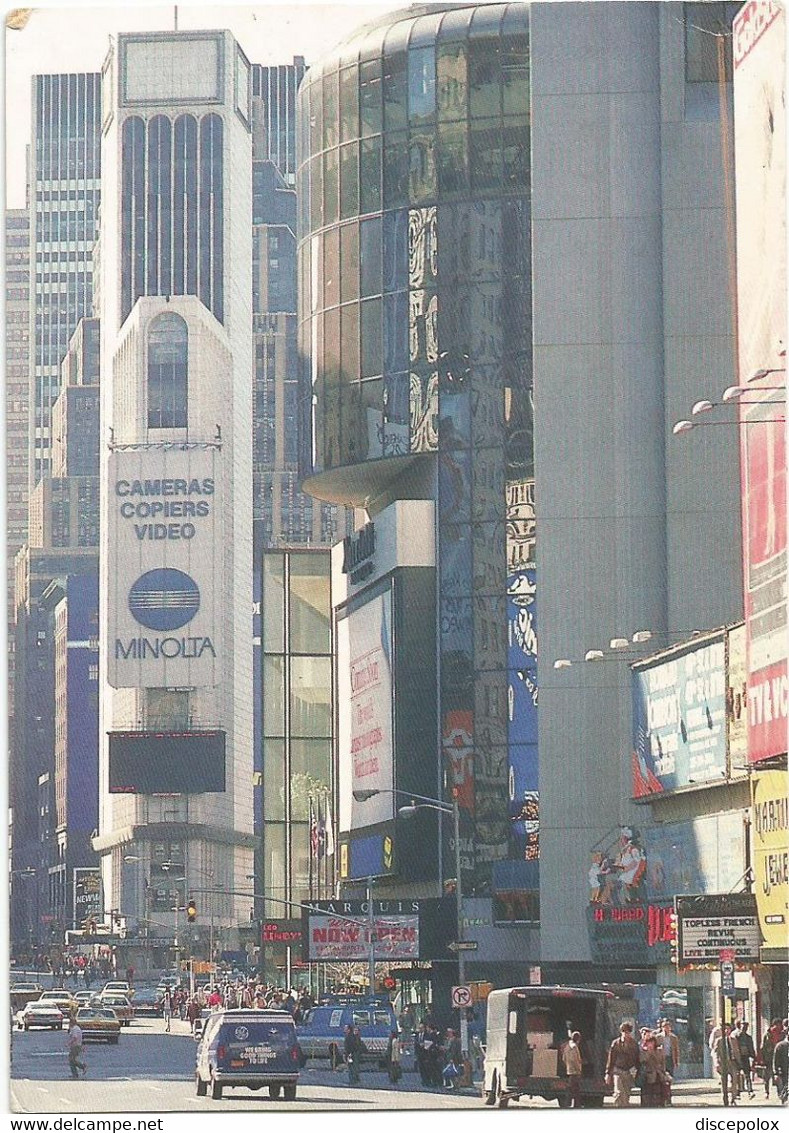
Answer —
(415, 324)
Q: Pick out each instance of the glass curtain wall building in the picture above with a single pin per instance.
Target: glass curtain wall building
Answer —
(64, 194)
(296, 729)
(414, 262)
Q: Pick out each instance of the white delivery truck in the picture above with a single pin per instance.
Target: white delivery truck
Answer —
(527, 1030)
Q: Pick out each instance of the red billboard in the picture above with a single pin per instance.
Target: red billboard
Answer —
(759, 45)
(763, 441)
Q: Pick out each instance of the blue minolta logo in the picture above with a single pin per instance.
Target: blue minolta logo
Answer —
(164, 599)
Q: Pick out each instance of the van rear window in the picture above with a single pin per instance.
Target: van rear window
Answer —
(256, 1032)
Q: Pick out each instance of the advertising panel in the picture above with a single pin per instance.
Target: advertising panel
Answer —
(523, 794)
(87, 897)
(770, 833)
(635, 934)
(165, 569)
(343, 930)
(708, 925)
(166, 763)
(759, 46)
(365, 698)
(764, 540)
(736, 704)
(679, 720)
(704, 855)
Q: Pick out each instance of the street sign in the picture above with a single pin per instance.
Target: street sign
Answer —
(463, 946)
(727, 976)
(461, 996)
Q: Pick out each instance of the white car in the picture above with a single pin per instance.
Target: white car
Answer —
(41, 1014)
(117, 987)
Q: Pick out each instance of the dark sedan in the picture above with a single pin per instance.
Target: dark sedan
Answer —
(148, 1001)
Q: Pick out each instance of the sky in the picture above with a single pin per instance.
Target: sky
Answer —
(64, 37)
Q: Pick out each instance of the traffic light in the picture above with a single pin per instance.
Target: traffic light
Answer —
(191, 911)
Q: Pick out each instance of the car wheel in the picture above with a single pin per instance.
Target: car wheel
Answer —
(201, 1087)
(273, 1090)
(290, 1093)
(216, 1090)
(565, 1101)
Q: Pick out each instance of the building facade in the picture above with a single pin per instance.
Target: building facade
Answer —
(274, 113)
(498, 312)
(64, 194)
(17, 378)
(176, 466)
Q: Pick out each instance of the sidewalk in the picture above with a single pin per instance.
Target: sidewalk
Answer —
(701, 1092)
(707, 1091)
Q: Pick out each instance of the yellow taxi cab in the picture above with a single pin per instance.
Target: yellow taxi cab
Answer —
(120, 1005)
(97, 1023)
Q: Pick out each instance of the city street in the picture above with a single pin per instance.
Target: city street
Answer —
(152, 1071)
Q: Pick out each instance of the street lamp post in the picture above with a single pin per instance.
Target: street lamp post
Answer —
(424, 802)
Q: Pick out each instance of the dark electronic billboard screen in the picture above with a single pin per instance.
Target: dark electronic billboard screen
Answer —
(167, 763)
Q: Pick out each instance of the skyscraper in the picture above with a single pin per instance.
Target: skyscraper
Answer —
(274, 113)
(64, 194)
(510, 276)
(176, 459)
(17, 379)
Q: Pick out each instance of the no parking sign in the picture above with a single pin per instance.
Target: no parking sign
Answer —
(461, 996)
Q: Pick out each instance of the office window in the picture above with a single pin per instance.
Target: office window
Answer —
(167, 372)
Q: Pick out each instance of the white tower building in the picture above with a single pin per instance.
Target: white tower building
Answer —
(176, 816)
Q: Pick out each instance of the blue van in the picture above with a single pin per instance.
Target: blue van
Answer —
(248, 1047)
(321, 1034)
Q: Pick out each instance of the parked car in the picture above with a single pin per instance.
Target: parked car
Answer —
(99, 1023)
(251, 1048)
(120, 1005)
(322, 1031)
(38, 1014)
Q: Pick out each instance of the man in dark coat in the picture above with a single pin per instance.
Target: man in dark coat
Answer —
(781, 1066)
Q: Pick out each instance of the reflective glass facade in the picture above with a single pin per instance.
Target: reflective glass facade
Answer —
(415, 293)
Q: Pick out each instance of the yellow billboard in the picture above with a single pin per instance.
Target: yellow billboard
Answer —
(770, 841)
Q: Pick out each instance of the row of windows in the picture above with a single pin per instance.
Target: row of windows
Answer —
(454, 160)
(455, 81)
(172, 210)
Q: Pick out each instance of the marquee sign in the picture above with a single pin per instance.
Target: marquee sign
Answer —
(708, 925)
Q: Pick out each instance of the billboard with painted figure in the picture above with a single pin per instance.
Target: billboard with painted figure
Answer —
(679, 719)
